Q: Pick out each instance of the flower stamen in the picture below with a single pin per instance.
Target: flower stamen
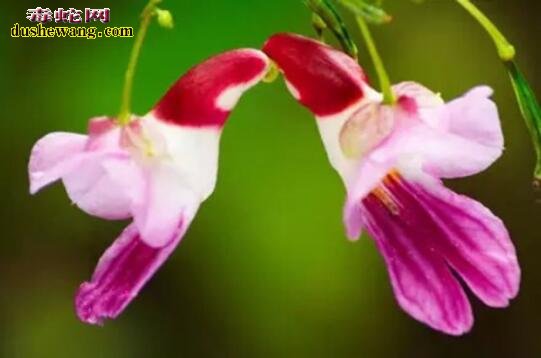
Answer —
(384, 196)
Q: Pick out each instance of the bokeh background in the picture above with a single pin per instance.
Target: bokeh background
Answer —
(265, 270)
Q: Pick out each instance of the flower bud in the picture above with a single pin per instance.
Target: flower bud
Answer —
(165, 19)
(272, 73)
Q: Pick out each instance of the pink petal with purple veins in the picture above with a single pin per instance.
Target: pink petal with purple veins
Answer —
(323, 79)
(476, 244)
(422, 282)
(205, 96)
(121, 273)
(424, 232)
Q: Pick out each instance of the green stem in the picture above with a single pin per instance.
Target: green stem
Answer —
(506, 51)
(385, 83)
(146, 17)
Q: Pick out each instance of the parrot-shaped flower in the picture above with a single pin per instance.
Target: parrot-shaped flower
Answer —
(392, 159)
(157, 170)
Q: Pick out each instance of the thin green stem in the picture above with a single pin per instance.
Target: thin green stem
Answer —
(146, 17)
(385, 83)
(506, 51)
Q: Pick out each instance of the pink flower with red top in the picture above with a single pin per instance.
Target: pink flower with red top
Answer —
(392, 160)
(156, 170)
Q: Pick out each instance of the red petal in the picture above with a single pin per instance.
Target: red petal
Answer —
(327, 80)
(193, 99)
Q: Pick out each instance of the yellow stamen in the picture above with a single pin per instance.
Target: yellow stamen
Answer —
(384, 196)
(142, 143)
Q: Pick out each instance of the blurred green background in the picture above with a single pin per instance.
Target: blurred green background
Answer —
(265, 270)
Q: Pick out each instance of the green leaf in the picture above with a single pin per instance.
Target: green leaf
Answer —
(319, 26)
(373, 13)
(531, 111)
(326, 12)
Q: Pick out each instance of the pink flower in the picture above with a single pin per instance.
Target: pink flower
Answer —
(156, 170)
(391, 159)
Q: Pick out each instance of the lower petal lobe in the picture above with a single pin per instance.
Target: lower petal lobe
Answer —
(121, 273)
(422, 282)
(475, 243)
(427, 234)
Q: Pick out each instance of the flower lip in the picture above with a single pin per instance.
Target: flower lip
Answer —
(325, 80)
(121, 273)
(429, 236)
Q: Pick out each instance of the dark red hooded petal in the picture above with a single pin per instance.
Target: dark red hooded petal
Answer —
(193, 99)
(327, 80)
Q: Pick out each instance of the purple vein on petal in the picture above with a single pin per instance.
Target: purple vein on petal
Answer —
(475, 243)
(423, 284)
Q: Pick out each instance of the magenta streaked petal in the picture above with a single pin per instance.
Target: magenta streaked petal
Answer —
(422, 282)
(208, 92)
(121, 273)
(53, 156)
(423, 232)
(323, 79)
(475, 243)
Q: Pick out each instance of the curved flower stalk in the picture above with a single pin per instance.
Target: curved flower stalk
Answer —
(391, 159)
(156, 169)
